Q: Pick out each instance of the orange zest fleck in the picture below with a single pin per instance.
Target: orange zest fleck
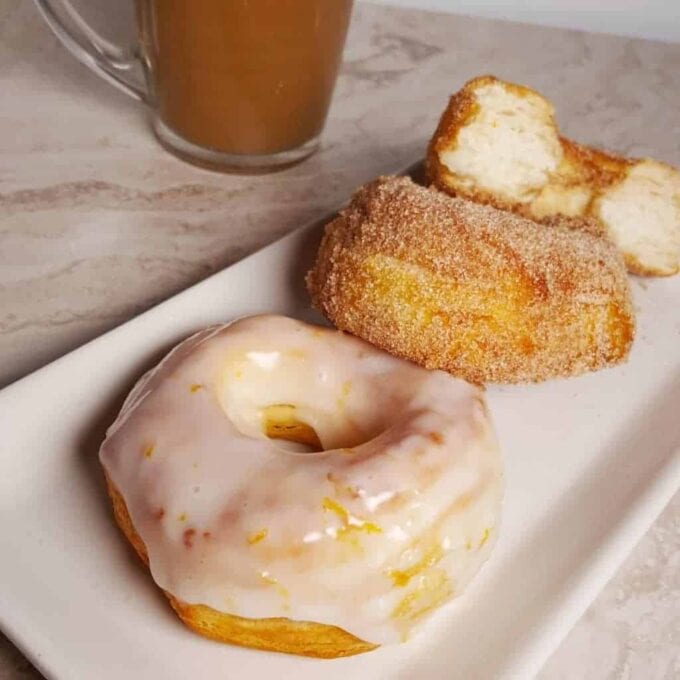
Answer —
(430, 593)
(148, 450)
(401, 577)
(195, 387)
(485, 537)
(257, 537)
(182, 517)
(368, 527)
(349, 523)
(333, 506)
(271, 581)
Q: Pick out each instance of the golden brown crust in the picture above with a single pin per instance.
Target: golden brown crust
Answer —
(476, 291)
(273, 634)
(588, 169)
(594, 167)
(634, 266)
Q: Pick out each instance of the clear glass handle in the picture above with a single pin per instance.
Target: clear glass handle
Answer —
(113, 63)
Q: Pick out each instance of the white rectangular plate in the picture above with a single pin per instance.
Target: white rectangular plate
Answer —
(590, 462)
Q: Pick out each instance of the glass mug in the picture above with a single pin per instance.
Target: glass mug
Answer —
(231, 84)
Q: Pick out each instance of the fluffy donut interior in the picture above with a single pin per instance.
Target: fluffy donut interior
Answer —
(510, 146)
(643, 213)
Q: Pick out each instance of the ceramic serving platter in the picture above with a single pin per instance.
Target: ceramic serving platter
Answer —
(590, 462)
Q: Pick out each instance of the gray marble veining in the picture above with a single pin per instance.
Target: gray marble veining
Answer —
(97, 222)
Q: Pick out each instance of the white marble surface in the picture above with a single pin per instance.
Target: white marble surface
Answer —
(98, 223)
(652, 19)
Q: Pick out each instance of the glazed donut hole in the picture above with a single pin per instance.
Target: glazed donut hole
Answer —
(307, 407)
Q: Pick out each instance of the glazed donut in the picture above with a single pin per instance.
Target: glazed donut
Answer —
(292, 488)
(479, 292)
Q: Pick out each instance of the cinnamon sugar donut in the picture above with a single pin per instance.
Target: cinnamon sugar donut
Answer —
(295, 489)
(480, 292)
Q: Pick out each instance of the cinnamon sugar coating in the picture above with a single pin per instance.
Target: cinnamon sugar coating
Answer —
(482, 293)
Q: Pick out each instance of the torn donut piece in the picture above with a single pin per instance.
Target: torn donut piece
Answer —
(498, 143)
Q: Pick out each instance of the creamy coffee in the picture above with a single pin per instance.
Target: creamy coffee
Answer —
(243, 76)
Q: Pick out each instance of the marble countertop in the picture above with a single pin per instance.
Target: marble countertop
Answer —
(98, 223)
(653, 19)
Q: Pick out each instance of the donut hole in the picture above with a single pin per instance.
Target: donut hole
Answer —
(303, 414)
(280, 423)
(301, 429)
(305, 404)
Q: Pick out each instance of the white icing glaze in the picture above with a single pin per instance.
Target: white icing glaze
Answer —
(393, 518)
